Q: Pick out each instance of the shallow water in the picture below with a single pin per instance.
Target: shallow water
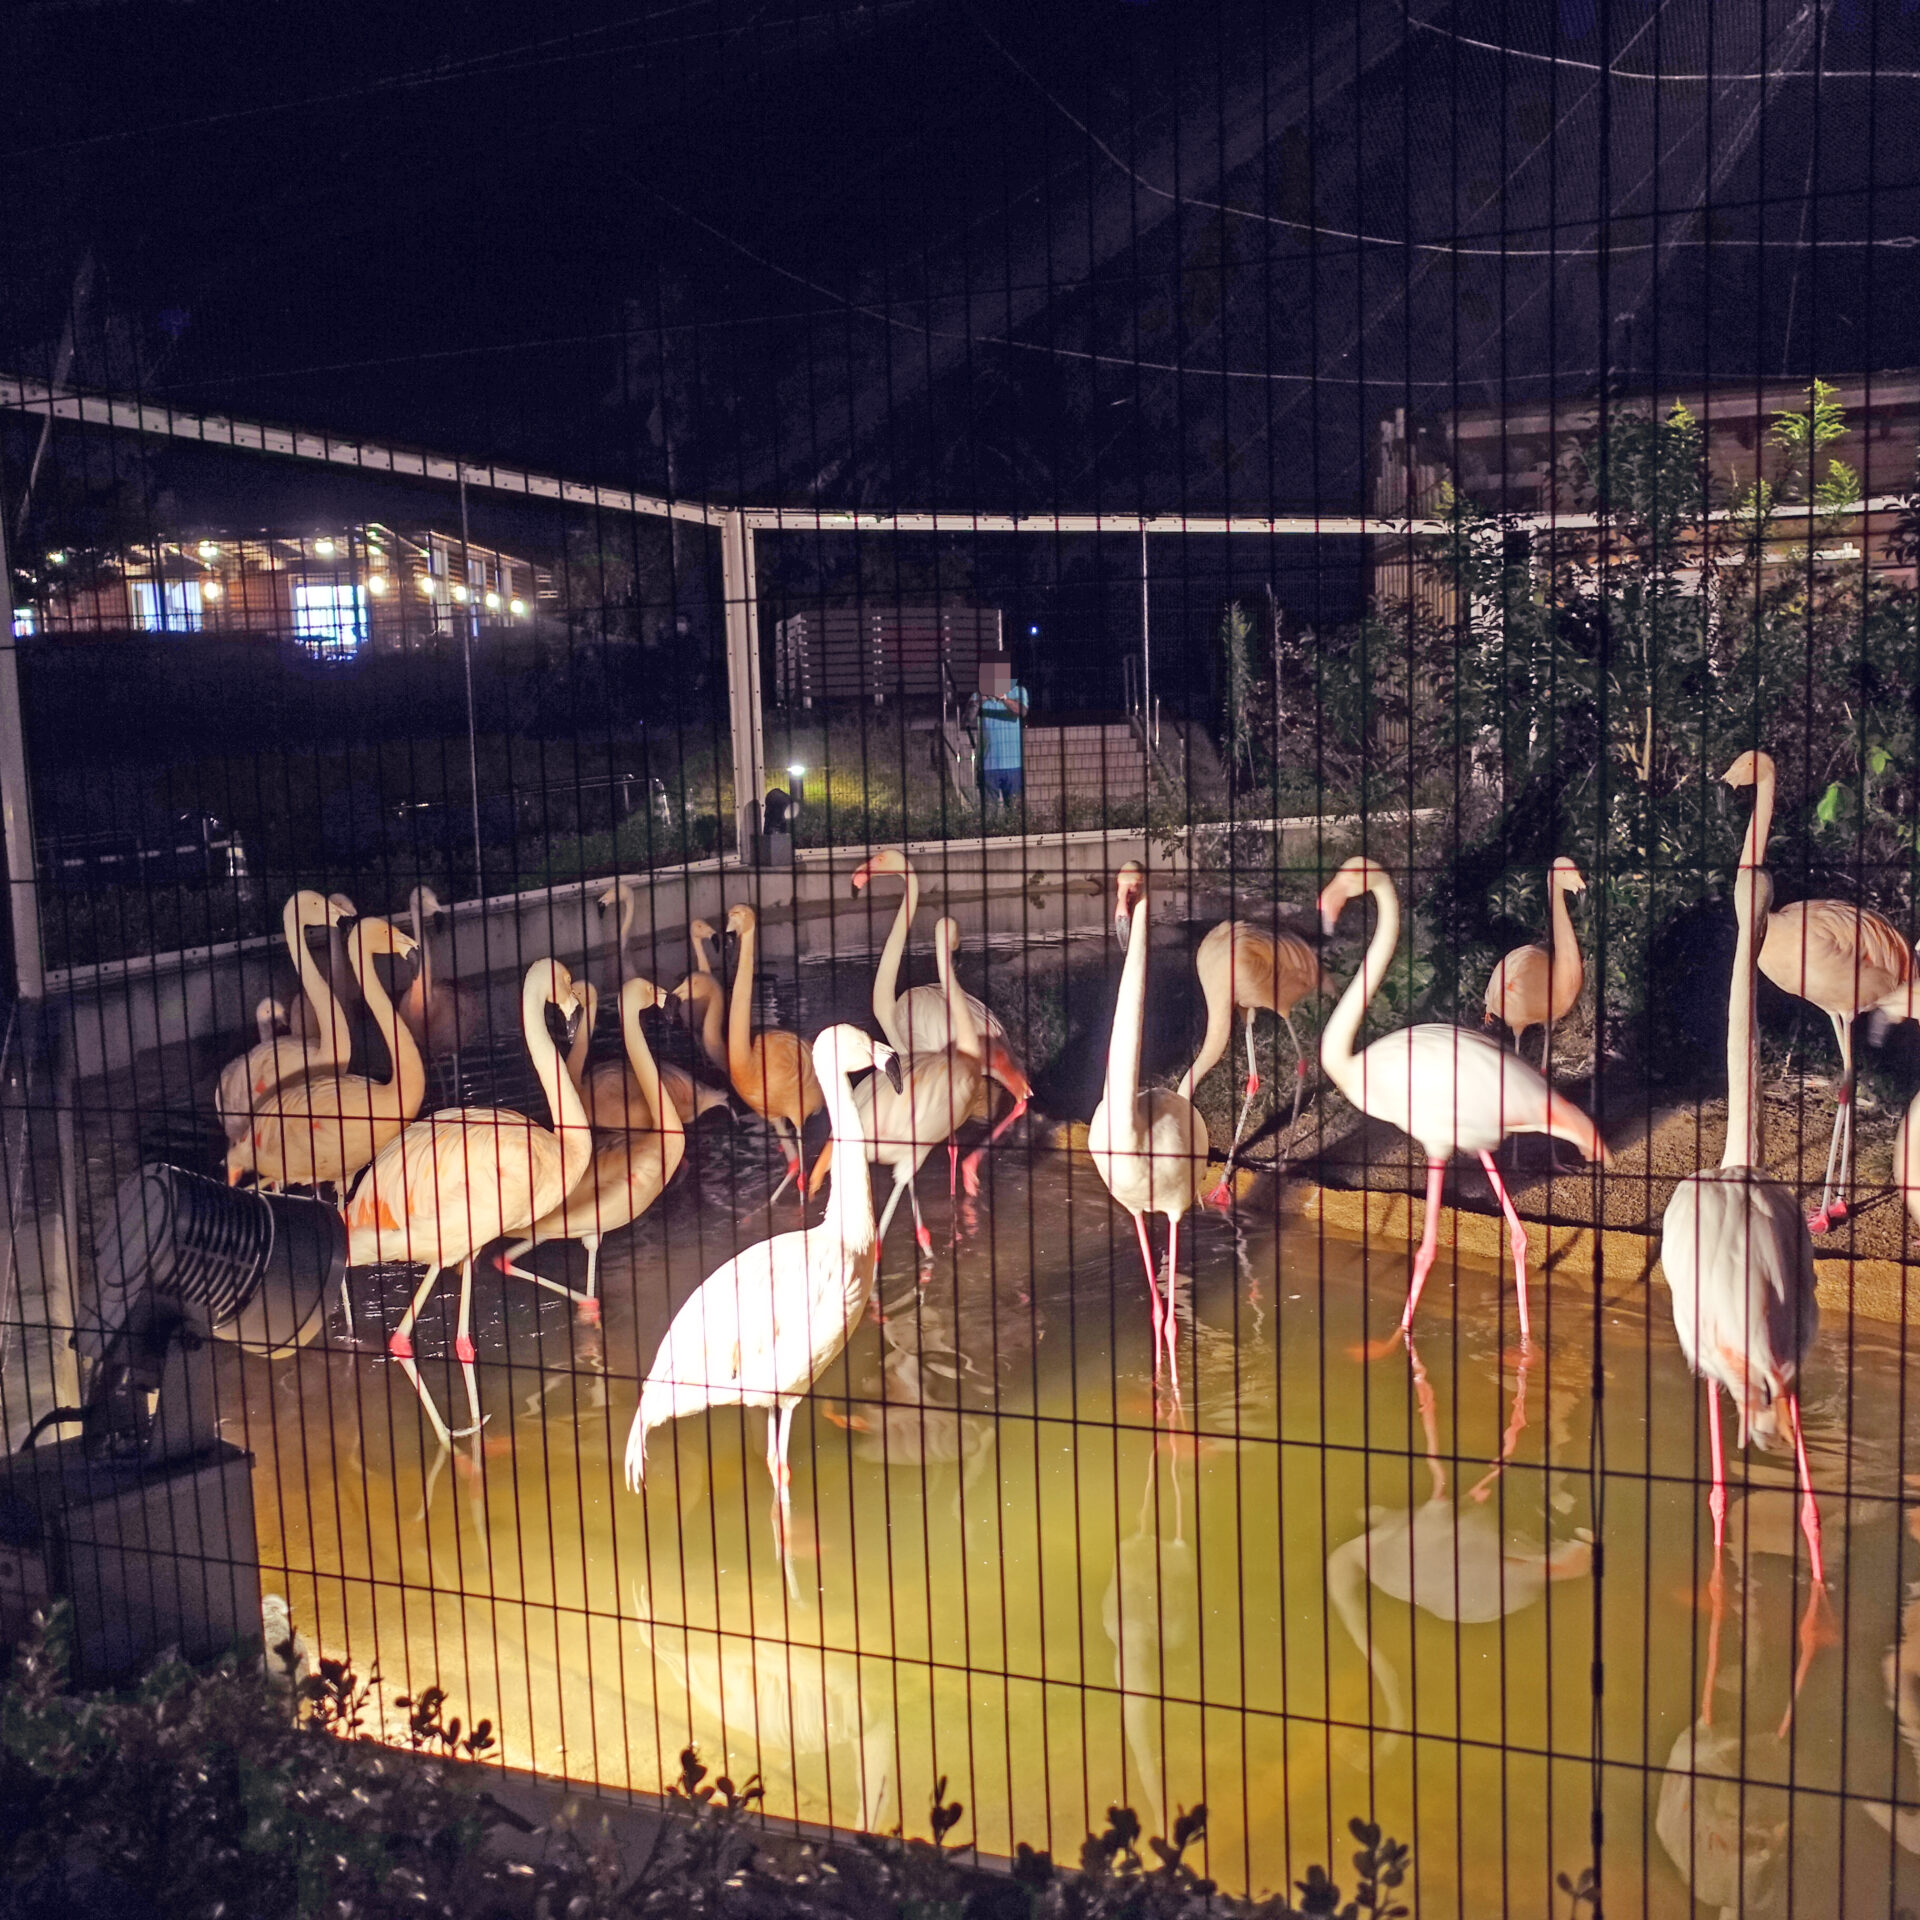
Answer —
(1301, 1589)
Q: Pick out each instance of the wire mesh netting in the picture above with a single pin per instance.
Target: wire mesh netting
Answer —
(832, 902)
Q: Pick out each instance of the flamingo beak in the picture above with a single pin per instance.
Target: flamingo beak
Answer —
(862, 874)
(890, 1066)
(1122, 925)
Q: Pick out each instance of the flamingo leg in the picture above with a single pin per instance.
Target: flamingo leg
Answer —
(1717, 1497)
(463, 1351)
(508, 1262)
(1809, 1507)
(1429, 1242)
(1299, 1070)
(1223, 1193)
(588, 1305)
(953, 1165)
(893, 1201)
(1515, 1428)
(1172, 1328)
(1153, 1286)
(1840, 1145)
(794, 1167)
(1516, 1239)
(921, 1237)
(1717, 1603)
(1253, 1067)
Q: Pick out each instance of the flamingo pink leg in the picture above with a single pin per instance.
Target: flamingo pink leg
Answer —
(970, 1166)
(463, 1351)
(1840, 1146)
(1809, 1507)
(1717, 1497)
(1516, 1239)
(1429, 1241)
(1172, 1329)
(953, 1165)
(1153, 1286)
(1717, 1601)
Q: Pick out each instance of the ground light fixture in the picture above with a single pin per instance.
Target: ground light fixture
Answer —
(797, 782)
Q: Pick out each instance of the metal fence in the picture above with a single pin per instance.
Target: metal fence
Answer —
(1351, 744)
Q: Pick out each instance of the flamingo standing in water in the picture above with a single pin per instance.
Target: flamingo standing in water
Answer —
(1149, 1145)
(1736, 1250)
(325, 1040)
(322, 1129)
(442, 1015)
(1845, 959)
(921, 1020)
(1247, 967)
(630, 1169)
(762, 1328)
(1452, 1090)
(941, 1084)
(771, 1070)
(1536, 986)
(455, 1180)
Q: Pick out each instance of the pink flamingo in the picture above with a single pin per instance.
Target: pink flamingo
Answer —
(1452, 1090)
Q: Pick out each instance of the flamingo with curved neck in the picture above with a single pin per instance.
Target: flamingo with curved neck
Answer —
(1452, 1090)
(629, 1172)
(323, 1129)
(247, 1080)
(1149, 1145)
(771, 1070)
(1537, 986)
(441, 1014)
(455, 1180)
(762, 1328)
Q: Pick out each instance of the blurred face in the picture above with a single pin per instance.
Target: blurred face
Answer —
(996, 679)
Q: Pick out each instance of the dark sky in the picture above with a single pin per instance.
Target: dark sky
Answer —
(975, 253)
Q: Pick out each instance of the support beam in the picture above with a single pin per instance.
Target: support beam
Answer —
(16, 807)
(743, 682)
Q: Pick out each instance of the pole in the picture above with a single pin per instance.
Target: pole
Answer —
(743, 682)
(16, 806)
(1146, 649)
(466, 652)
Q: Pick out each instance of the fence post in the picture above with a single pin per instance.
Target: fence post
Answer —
(16, 807)
(743, 682)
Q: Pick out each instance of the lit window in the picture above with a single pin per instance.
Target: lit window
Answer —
(166, 606)
(329, 618)
(23, 622)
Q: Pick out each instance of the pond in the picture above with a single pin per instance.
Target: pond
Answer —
(1464, 1591)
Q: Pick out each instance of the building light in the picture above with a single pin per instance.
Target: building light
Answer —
(324, 548)
(460, 593)
(518, 608)
(208, 550)
(58, 558)
(376, 583)
(426, 585)
(493, 603)
(209, 589)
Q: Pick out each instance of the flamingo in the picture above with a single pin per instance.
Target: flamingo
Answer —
(626, 895)
(324, 1128)
(771, 1070)
(1737, 1252)
(440, 1014)
(303, 1018)
(921, 1019)
(247, 1079)
(1536, 986)
(903, 1129)
(1451, 1090)
(1247, 967)
(1845, 959)
(761, 1329)
(630, 1169)
(1149, 1145)
(705, 1001)
(455, 1180)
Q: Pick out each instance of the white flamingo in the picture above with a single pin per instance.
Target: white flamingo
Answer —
(456, 1180)
(325, 1041)
(1737, 1253)
(1451, 1090)
(760, 1330)
(630, 1170)
(1149, 1145)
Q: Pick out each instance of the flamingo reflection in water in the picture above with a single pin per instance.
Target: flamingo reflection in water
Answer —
(1450, 1557)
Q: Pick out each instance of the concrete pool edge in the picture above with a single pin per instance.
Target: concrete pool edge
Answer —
(1871, 1289)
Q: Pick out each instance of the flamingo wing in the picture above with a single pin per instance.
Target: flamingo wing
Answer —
(1839, 956)
(1739, 1263)
(1518, 991)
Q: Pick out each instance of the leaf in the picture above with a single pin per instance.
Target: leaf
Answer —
(1832, 801)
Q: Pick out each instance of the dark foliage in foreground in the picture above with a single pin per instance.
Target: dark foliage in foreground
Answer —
(232, 1795)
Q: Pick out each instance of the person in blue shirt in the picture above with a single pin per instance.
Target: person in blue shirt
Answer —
(1003, 711)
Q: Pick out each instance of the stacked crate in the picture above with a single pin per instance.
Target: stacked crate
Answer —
(877, 652)
(1098, 762)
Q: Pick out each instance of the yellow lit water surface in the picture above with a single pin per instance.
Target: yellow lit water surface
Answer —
(1027, 1569)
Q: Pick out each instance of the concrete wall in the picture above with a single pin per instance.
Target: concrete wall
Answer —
(1096, 763)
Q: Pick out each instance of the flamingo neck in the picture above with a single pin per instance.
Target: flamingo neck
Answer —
(329, 1015)
(666, 1115)
(1566, 950)
(849, 1216)
(563, 1097)
(1753, 850)
(1337, 1052)
(629, 912)
(1743, 1105)
(1129, 1021)
(583, 1040)
(702, 960)
(1216, 982)
(740, 1012)
(704, 989)
(886, 979)
(407, 1075)
(963, 1027)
